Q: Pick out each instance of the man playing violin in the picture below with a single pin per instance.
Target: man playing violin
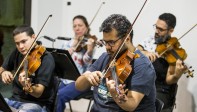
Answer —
(31, 92)
(167, 74)
(136, 93)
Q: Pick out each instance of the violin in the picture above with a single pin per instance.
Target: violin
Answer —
(171, 51)
(82, 43)
(32, 63)
(123, 66)
(34, 60)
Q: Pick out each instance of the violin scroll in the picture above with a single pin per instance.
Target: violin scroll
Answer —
(189, 72)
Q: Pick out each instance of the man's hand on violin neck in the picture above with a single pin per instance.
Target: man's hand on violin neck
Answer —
(180, 68)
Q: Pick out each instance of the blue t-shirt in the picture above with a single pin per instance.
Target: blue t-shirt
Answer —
(141, 79)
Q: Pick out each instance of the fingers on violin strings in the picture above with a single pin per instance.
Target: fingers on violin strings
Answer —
(180, 64)
(126, 90)
(121, 86)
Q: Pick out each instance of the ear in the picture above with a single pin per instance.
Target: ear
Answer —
(33, 36)
(171, 31)
(128, 39)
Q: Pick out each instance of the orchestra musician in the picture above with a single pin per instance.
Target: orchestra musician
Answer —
(167, 73)
(136, 93)
(31, 92)
(82, 56)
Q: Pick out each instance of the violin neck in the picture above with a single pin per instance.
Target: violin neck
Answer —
(174, 53)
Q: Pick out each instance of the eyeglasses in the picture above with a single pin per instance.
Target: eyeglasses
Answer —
(110, 43)
(158, 28)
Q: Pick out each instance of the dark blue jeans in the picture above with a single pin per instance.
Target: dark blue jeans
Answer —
(66, 92)
(25, 107)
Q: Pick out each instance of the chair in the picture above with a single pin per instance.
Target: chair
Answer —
(56, 83)
(88, 95)
(159, 105)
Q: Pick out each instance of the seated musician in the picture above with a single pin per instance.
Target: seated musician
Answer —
(137, 91)
(81, 56)
(31, 92)
(167, 73)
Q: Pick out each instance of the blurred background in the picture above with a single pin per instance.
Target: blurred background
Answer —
(35, 13)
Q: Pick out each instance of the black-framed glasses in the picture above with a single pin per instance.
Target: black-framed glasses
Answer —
(110, 43)
(158, 28)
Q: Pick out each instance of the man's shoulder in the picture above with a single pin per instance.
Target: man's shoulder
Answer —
(142, 58)
(104, 55)
(14, 54)
(143, 62)
(47, 57)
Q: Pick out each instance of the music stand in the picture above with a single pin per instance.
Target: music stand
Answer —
(64, 64)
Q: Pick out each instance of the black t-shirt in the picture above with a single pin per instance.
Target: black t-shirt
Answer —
(165, 92)
(43, 75)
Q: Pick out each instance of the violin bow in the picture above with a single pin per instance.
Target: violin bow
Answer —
(188, 31)
(96, 13)
(31, 47)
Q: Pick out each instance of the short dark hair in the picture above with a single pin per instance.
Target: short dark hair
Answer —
(23, 28)
(84, 20)
(169, 18)
(118, 22)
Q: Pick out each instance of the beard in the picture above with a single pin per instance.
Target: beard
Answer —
(161, 39)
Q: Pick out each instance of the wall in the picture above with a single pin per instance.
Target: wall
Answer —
(61, 25)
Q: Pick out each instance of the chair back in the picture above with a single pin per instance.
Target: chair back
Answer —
(159, 105)
(56, 86)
